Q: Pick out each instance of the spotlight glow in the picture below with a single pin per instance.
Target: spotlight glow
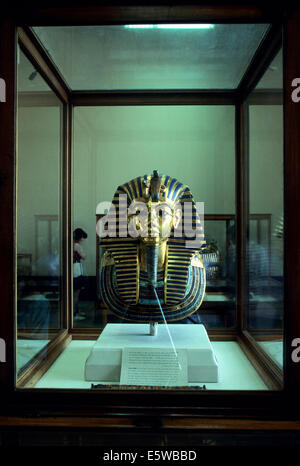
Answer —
(169, 26)
(140, 26)
(185, 26)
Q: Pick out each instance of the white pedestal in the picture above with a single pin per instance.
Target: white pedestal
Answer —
(104, 362)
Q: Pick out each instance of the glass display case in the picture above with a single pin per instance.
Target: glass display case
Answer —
(167, 112)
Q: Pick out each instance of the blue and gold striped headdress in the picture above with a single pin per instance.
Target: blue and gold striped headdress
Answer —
(124, 249)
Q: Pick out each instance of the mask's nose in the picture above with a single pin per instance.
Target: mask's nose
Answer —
(153, 224)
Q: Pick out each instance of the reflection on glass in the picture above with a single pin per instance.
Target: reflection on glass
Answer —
(265, 245)
(152, 56)
(38, 214)
(219, 258)
(115, 144)
(79, 282)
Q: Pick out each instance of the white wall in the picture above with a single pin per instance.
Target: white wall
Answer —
(115, 144)
(112, 145)
(38, 171)
(266, 170)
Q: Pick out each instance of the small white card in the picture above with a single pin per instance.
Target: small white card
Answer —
(154, 366)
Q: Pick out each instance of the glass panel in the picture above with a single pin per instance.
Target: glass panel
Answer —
(113, 145)
(219, 303)
(210, 56)
(273, 77)
(265, 247)
(38, 214)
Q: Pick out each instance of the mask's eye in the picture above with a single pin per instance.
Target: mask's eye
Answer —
(166, 213)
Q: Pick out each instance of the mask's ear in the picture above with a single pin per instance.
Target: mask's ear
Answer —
(177, 216)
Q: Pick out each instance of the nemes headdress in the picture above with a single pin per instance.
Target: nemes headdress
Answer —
(122, 250)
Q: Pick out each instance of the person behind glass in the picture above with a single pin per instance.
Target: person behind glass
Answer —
(79, 236)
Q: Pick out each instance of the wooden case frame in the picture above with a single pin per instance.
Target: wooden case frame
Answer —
(75, 407)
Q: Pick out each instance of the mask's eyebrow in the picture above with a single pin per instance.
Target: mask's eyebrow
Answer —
(163, 210)
(163, 206)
